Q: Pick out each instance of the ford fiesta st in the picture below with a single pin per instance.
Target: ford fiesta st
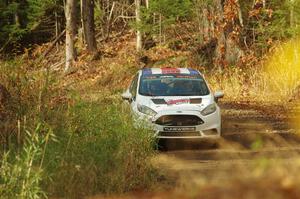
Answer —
(175, 102)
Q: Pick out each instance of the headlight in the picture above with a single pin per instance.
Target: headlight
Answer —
(146, 110)
(209, 109)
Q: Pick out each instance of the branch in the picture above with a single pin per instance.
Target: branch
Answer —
(51, 46)
(53, 43)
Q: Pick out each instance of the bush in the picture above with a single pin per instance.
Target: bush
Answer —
(99, 150)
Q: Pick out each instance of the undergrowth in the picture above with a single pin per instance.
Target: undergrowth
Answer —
(275, 79)
(59, 145)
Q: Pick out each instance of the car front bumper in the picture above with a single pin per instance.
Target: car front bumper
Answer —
(210, 128)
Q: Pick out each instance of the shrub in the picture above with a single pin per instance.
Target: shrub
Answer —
(99, 150)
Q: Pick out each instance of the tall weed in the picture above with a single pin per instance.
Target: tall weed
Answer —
(21, 172)
(282, 69)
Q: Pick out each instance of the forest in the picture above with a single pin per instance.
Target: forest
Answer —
(65, 131)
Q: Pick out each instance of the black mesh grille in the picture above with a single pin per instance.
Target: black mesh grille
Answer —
(179, 120)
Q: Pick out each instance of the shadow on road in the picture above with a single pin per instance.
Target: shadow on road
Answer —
(186, 144)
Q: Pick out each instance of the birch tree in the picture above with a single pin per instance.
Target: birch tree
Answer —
(138, 21)
(70, 12)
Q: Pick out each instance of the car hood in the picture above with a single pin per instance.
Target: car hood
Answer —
(176, 103)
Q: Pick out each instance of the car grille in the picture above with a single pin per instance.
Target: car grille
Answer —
(179, 120)
(179, 134)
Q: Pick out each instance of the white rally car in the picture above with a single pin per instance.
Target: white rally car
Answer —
(175, 102)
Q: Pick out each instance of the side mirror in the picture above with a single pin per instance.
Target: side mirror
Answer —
(127, 96)
(218, 95)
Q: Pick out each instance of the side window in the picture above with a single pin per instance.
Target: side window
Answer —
(133, 86)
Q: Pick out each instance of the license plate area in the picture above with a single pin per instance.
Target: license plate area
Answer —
(179, 129)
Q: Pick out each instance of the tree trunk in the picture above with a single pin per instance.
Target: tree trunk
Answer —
(241, 20)
(88, 24)
(138, 21)
(233, 51)
(221, 39)
(70, 12)
(205, 25)
(228, 51)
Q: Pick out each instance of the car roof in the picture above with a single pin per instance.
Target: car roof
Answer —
(158, 71)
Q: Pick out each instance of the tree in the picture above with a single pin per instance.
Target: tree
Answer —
(233, 22)
(70, 12)
(88, 25)
(138, 21)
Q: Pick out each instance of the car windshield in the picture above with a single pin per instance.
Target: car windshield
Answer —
(173, 85)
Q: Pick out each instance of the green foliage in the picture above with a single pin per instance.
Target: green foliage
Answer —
(36, 9)
(18, 18)
(21, 172)
(169, 11)
(280, 20)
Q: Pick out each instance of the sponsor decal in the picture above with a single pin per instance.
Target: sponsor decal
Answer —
(178, 101)
(170, 70)
(186, 76)
(151, 77)
(179, 129)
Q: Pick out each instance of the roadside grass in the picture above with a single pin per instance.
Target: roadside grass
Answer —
(282, 69)
(231, 82)
(102, 152)
(58, 144)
